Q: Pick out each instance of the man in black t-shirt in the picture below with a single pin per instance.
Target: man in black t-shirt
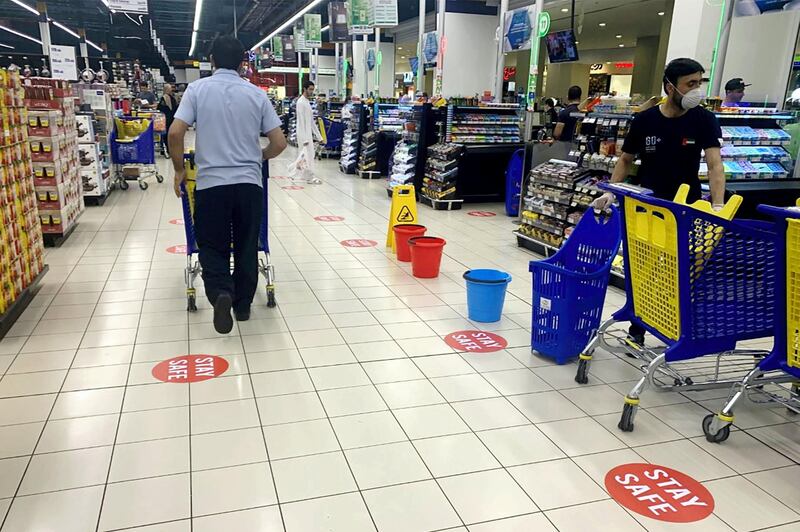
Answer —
(669, 140)
(565, 127)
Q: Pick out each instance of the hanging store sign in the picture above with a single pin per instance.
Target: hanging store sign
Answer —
(299, 35)
(313, 26)
(384, 13)
(62, 62)
(337, 19)
(371, 60)
(277, 48)
(518, 29)
(359, 17)
(430, 49)
(288, 49)
(128, 6)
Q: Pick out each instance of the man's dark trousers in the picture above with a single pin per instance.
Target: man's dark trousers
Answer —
(223, 215)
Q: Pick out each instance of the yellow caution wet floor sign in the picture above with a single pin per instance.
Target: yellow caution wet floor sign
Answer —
(404, 210)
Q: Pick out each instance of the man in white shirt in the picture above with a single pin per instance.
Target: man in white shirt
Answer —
(307, 132)
(229, 114)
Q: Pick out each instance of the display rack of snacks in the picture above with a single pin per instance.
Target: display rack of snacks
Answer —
(367, 159)
(403, 163)
(599, 138)
(21, 246)
(491, 124)
(333, 110)
(356, 123)
(53, 139)
(439, 186)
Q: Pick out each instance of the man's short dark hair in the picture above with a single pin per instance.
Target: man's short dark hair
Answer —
(308, 83)
(228, 52)
(551, 102)
(574, 93)
(677, 68)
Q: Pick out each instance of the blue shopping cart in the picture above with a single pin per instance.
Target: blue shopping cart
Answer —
(333, 132)
(265, 267)
(782, 364)
(132, 147)
(569, 288)
(697, 282)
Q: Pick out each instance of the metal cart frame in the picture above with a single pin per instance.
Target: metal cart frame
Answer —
(193, 269)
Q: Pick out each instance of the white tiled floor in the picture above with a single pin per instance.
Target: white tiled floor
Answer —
(342, 409)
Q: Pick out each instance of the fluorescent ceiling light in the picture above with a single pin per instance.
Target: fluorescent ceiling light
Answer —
(326, 28)
(198, 10)
(93, 45)
(602, 24)
(660, 13)
(6, 46)
(286, 24)
(15, 32)
(622, 46)
(194, 41)
(59, 25)
(565, 10)
(105, 2)
(618, 36)
(23, 5)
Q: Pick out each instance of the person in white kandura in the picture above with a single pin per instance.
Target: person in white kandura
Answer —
(307, 132)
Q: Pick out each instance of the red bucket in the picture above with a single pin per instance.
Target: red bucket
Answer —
(401, 235)
(426, 256)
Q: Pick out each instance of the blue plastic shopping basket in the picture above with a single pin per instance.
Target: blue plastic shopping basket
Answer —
(139, 150)
(569, 288)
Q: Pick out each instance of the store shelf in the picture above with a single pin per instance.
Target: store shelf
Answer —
(15, 310)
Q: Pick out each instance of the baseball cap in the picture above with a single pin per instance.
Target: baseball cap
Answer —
(736, 84)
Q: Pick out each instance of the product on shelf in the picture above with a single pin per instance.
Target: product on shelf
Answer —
(53, 141)
(21, 246)
(94, 173)
(483, 125)
(367, 161)
(441, 170)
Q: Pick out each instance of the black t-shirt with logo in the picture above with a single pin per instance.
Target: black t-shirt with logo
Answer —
(569, 121)
(670, 149)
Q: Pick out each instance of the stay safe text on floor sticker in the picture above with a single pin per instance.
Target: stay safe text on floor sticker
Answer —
(358, 243)
(659, 492)
(329, 218)
(475, 341)
(190, 368)
(179, 249)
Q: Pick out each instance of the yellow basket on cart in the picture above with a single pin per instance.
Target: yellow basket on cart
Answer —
(793, 292)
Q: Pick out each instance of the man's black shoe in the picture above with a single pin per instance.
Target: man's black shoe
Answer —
(223, 323)
(242, 315)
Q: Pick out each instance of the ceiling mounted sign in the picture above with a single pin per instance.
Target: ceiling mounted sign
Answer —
(128, 6)
(312, 22)
(359, 17)
(384, 13)
(337, 18)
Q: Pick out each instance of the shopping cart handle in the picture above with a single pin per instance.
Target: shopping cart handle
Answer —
(625, 189)
(779, 213)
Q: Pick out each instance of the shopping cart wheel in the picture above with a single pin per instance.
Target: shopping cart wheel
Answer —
(718, 437)
(626, 420)
(191, 304)
(159, 178)
(271, 297)
(582, 376)
(123, 184)
(143, 185)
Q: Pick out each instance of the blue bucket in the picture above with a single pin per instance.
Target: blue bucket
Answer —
(486, 293)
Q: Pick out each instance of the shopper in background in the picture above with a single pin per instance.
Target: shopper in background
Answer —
(734, 92)
(670, 139)
(146, 97)
(307, 132)
(167, 105)
(550, 113)
(229, 114)
(565, 126)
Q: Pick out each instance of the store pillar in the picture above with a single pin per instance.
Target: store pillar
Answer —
(468, 38)
(693, 31)
(44, 28)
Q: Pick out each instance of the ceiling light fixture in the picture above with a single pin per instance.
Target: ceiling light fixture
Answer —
(59, 25)
(286, 24)
(326, 28)
(660, 13)
(23, 5)
(198, 10)
(565, 10)
(602, 24)
(105, 2)
(622, 46)
(577, 42)
(6, 45)
(55, 23)
(15, 32)
(618, 36)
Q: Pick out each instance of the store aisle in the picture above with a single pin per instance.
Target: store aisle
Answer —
(344, 404)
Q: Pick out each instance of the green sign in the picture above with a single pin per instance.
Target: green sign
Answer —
(359, 17)
(544, 23)
(277, 48)
(313, 26)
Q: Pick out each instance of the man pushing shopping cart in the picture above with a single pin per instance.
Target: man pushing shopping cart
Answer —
(229, 113)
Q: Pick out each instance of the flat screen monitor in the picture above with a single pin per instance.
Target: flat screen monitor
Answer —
(561, 46)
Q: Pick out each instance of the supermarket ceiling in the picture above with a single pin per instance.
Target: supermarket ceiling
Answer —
(129, 35)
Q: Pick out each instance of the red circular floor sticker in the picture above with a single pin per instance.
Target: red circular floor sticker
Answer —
(659, 492)
(329, 218)
(176, 221)
(475, 341)
(483, 214)
(190, 368)
(180, 249)
(358, 243)
(293, 187)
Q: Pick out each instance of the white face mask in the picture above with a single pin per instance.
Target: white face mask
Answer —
(691, 99)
